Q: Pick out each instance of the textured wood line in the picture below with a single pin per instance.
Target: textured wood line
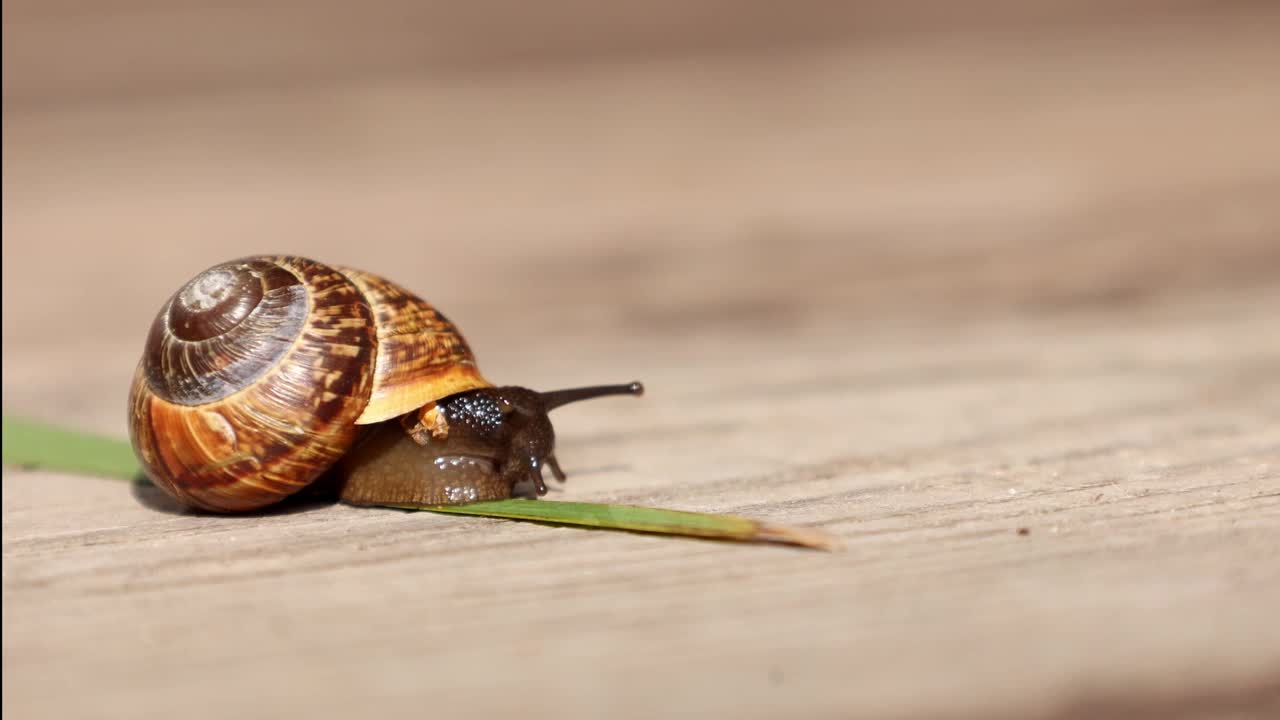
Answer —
(679, 571)
(1026, 267)
(285, 44)
(926, 518)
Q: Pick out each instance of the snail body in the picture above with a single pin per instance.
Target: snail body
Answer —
(262, 374)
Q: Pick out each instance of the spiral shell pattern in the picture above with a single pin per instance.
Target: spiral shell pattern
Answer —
(258, 372)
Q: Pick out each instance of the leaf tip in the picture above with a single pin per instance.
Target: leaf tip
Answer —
(803, 537)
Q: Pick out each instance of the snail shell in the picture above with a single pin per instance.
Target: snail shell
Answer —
(258, 374)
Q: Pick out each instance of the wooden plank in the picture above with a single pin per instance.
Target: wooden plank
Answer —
(71, 51)
(926, 295)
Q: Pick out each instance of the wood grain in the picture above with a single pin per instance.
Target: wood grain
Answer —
(993, 297)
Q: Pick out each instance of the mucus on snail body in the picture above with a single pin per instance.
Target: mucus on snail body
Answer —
(263, 374)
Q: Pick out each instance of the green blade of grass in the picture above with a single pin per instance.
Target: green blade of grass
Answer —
(41, 446)
(37, 445)
(640, 519)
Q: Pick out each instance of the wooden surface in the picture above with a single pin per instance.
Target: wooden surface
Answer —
(922, 279)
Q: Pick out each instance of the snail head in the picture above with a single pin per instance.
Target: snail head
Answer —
(511, 425)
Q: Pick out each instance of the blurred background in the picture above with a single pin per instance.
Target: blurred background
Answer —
(661, 171)
(918, 272)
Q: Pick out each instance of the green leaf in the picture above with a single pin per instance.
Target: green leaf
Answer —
(640, 519)
(42, 446)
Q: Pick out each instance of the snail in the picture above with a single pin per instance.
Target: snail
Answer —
(264, 374)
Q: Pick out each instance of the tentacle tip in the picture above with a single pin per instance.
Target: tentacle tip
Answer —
(636, 388)
(535, 474)
(555, 468)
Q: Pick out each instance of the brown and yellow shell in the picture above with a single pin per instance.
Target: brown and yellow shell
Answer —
(258, 373)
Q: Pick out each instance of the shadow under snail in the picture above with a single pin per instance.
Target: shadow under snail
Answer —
(263, 374)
